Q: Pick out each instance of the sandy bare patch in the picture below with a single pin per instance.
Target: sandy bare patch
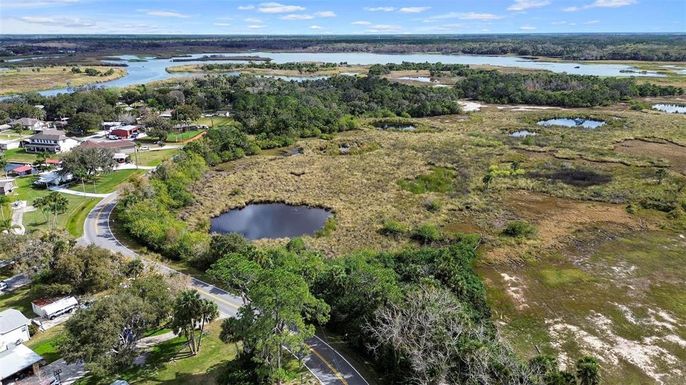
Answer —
(515, 289)
(469, 106)
(652, 359)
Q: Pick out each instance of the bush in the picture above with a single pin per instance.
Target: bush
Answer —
(440, 179)
(432, 205)
(427, 233)
(393, 228)
(519, 229)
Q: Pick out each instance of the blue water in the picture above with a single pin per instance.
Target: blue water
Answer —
(522, 134)
(567, 122)
(271, 220)
(670, 108)
(140, 72)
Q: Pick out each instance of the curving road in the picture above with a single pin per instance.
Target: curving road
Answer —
(325, 363)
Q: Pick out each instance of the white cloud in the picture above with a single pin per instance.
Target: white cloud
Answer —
(316, 27)
(361, 22)
(523, 5)
(246, 7)
(160, 13)
(591, 22)
(36, 3)
(470, 16)
(413, 9)
(279, 8)
(384, 28)
(65, 21)
(325, 14)
(256, 26)
(527, 28)
(602, 4)
(222, 24)
(379, 9)
(252, 20)
(294, 16)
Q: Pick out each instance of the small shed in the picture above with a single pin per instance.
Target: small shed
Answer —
(51, 308)
(7, 186)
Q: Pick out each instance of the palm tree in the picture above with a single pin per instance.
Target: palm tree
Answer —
(191, 312)
(588, 371)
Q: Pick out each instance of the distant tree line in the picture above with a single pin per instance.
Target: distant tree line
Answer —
(598, 46)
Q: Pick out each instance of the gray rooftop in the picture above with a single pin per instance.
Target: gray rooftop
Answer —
(50, 135)
(11, 319)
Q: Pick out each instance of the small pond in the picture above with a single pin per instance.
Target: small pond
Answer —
(271, 220)
(670, 108)
(572, 122)
(396, 127)
(422, 79)
(522, 134)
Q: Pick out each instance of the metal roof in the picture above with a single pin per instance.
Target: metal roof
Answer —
(11, 319)
(16, 359)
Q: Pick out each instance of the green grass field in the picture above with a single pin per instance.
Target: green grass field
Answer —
(19, 155)
(182, 136)
(154, 158)
(214, 121)
(19, 300)
(72, 219)
(169, 363)
(45, 343)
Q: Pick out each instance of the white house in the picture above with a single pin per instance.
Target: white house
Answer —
(51, 308)
(14, 329)
(9, 144)
(50, 141)
(29, 124)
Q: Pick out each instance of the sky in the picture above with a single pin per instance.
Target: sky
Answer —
(320, 17)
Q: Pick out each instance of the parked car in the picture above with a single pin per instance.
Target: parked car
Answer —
(112, 137)
(3, 286)
(144, 148)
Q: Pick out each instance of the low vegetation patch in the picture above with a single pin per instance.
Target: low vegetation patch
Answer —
(440, 180)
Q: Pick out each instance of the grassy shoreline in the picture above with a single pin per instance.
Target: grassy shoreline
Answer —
(29, 79)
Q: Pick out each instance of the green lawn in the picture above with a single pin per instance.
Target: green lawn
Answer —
(169, 363)
(154, 158)
(19, 300)
(215, 121)
(181, 136)
(72, 219)
(45, 343)
(19, 155)
(109, 182)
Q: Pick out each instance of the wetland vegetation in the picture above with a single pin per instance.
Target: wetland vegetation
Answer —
(565, 242)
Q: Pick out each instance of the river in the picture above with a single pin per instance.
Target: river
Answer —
(151, 69)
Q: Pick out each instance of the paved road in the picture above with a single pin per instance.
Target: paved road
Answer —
(329, 366)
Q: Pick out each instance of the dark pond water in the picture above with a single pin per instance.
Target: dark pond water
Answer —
(271, 220)
(522, 134)
(670, 108)
(568, 122)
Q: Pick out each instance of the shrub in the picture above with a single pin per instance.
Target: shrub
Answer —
(393, 228)
(427, 233)
(440, 179)
(519, 229)
(432, 205)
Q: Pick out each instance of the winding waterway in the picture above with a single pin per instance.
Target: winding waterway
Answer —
(151, 69)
